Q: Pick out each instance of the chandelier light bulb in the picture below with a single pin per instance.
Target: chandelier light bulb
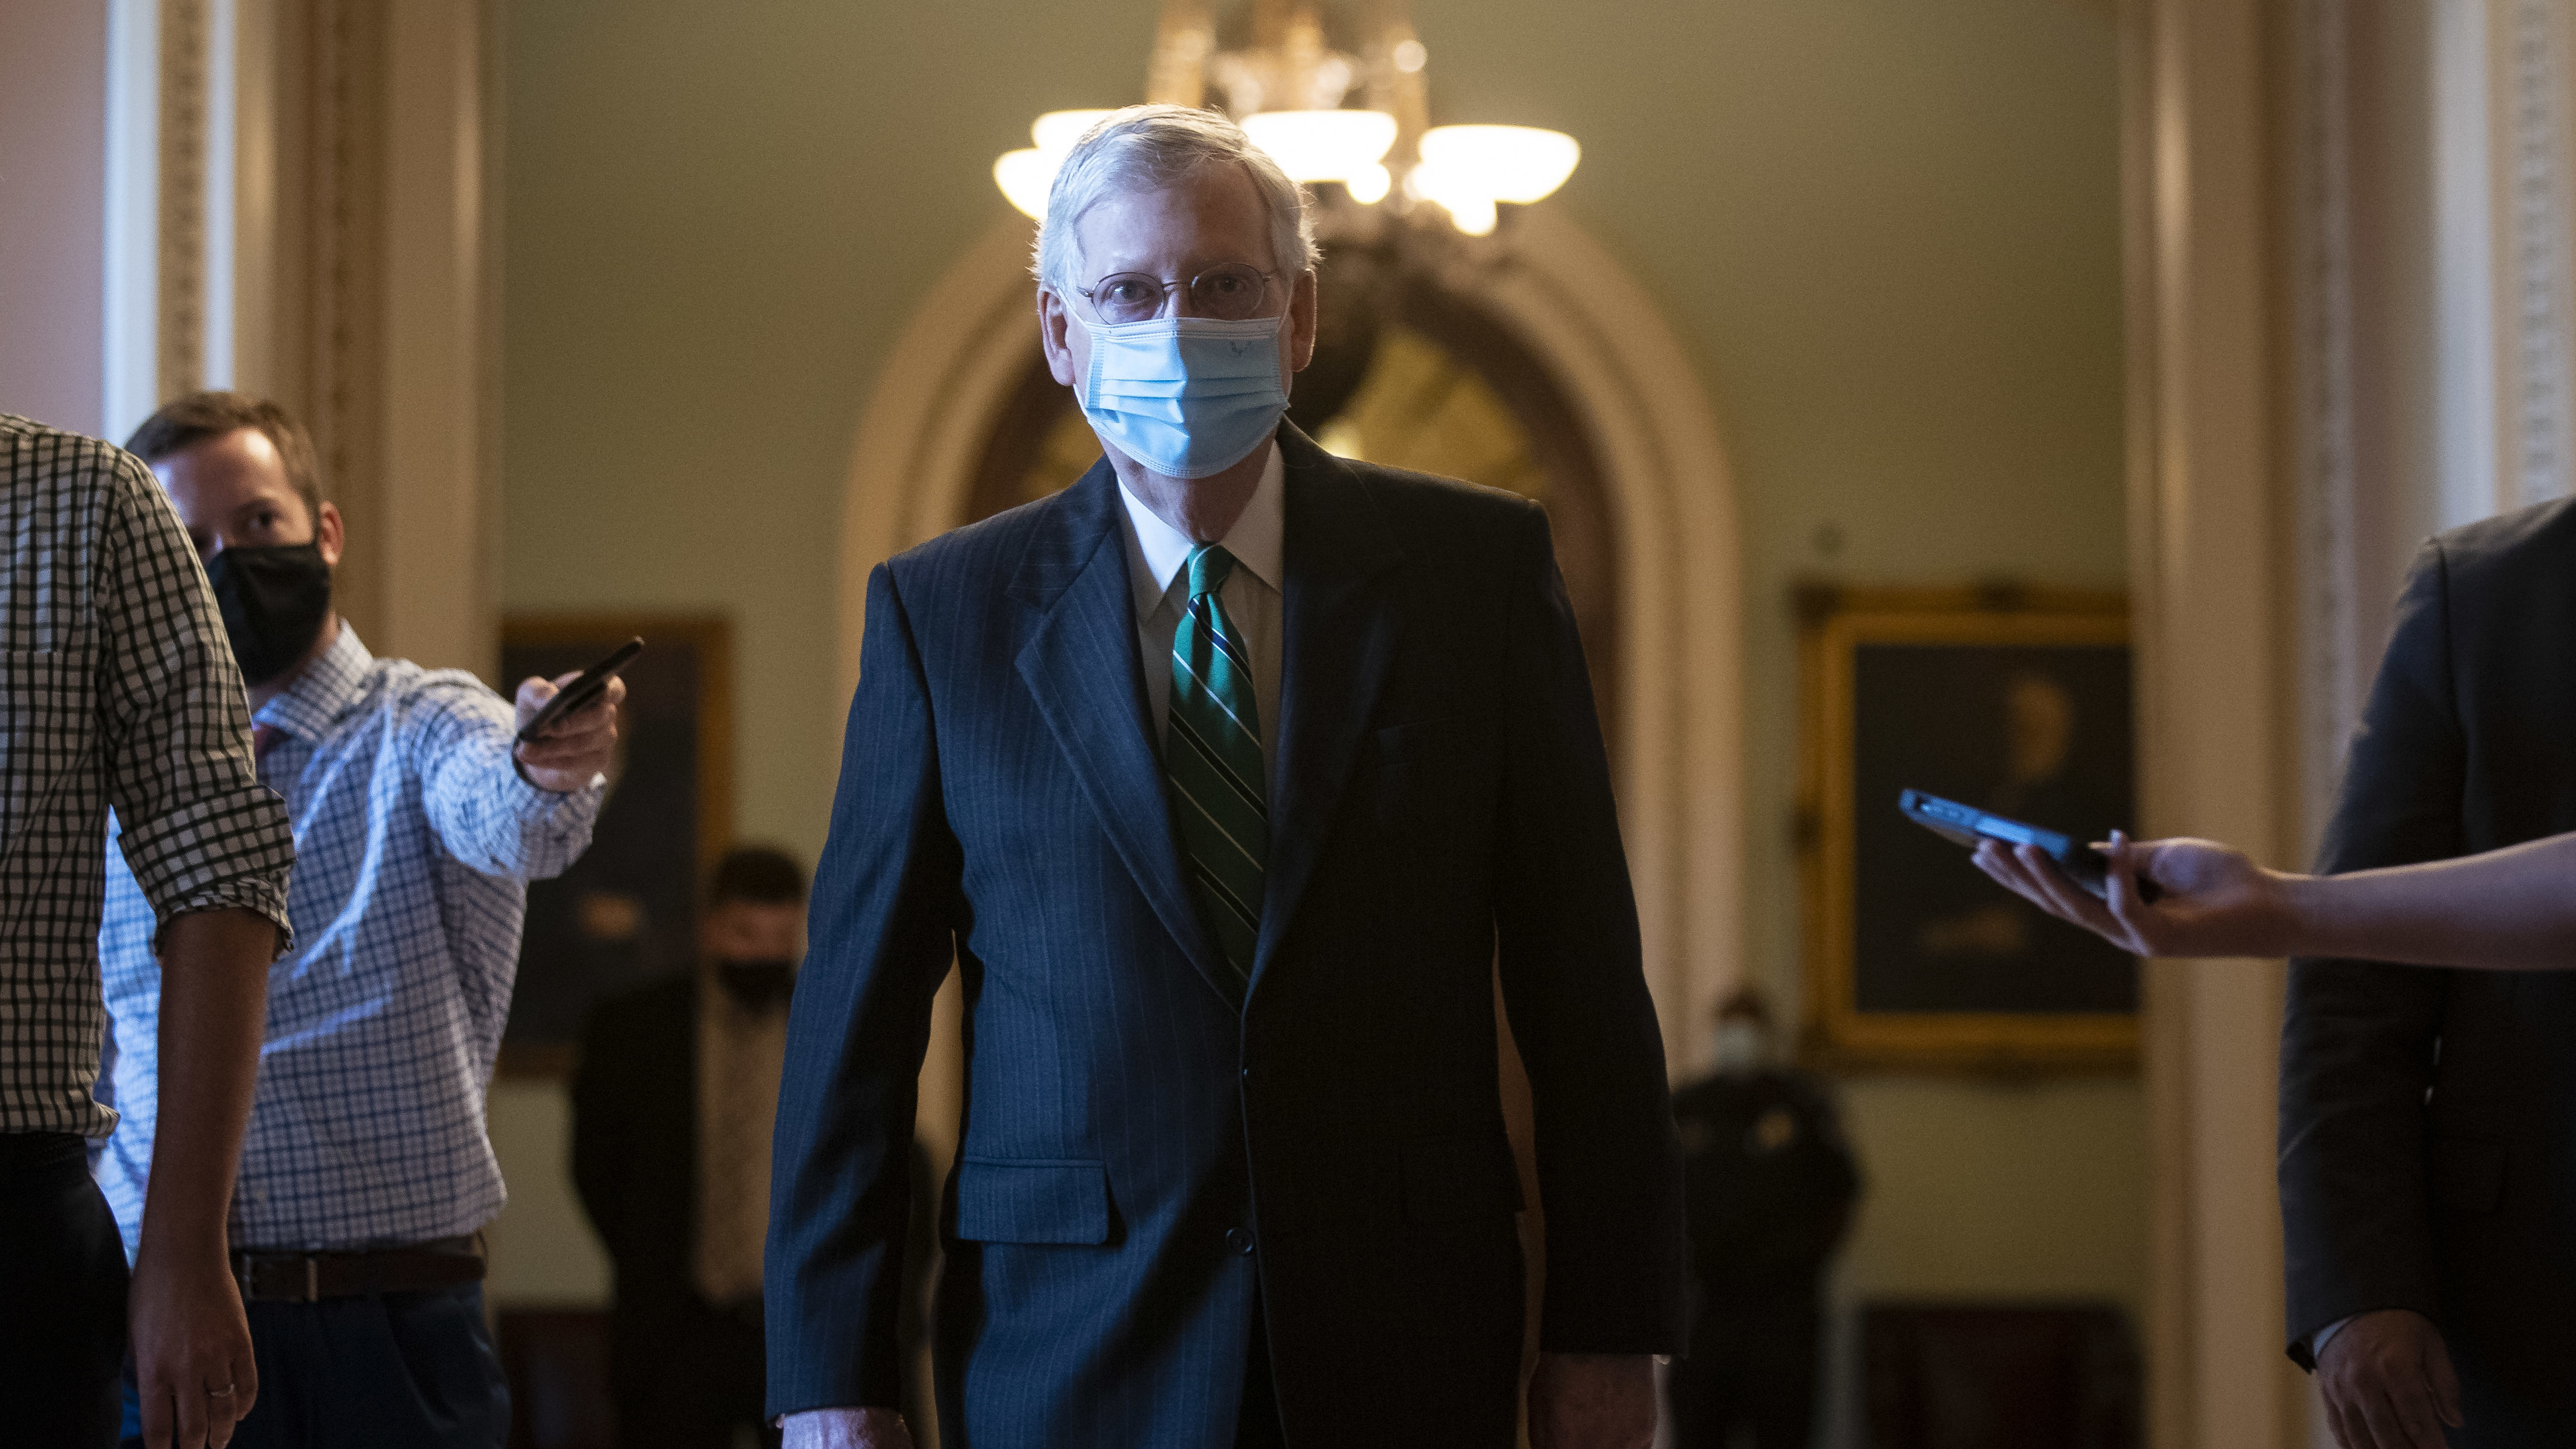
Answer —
(1519, 164)
(1324, 145)
(1470, 209)
(1369, 184)
(1474, 215)
(1056, 131)
(1025, 177)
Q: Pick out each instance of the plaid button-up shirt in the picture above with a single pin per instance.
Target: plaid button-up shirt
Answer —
(415, 838)
(116, 688)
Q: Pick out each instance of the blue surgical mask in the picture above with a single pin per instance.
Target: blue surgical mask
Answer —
(1185, 396)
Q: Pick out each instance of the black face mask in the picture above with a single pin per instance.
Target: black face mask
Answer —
(758, 985)
(274, 601)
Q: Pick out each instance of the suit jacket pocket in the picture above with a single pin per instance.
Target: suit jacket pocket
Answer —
(2468, 1174)
(1453, 1179)
(1032, 1200)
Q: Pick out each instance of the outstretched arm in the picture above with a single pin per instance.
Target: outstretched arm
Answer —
(2506, 910)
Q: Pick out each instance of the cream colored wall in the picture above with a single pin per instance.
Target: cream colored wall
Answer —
(1889, 234)
(53, 205)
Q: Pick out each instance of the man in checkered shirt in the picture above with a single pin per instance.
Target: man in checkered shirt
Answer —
(367, 1175)
(116, 689)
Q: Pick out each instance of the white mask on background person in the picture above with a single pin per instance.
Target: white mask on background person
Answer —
(1742, 1047)
(1187, 397)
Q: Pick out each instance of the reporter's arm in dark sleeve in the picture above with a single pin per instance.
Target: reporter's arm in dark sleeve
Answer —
(2357, 1038)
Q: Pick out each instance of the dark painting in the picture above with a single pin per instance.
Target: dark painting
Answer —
(2040, 733)
(626, 911)
(2008, 697)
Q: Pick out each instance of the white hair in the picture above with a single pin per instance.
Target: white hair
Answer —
(1147, 148)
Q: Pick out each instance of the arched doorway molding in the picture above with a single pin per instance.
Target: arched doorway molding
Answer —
(1681, 599)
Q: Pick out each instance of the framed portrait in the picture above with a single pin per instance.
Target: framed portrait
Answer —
(2013, 700)
(626, 912)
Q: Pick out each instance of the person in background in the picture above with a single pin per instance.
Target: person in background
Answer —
(2428, 1193)
(366, 1175)
(116, 691)
(672, 1109)
(1771, 1184)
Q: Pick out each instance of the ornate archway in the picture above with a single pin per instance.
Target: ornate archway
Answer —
(1672, 559)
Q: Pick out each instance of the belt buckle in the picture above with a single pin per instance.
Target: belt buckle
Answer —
(260, 1277)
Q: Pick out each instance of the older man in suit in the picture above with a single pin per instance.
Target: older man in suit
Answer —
(1228, 775)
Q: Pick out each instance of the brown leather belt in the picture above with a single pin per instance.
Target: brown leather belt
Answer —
(275, 1277)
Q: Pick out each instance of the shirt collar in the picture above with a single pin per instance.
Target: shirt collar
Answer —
(323, 691)
(1257, 540)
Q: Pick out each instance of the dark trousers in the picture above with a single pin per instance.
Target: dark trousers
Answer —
(1752, 1365)
(690, 1376)
(387, 1371)
(62, 1296)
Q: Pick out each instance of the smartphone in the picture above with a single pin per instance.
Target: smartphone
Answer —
(1967, 825)
(582, 692)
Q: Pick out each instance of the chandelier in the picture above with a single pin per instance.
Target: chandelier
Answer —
(1294, 93)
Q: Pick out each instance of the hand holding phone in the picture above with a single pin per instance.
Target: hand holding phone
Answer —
(582, 693)
(1967, 825)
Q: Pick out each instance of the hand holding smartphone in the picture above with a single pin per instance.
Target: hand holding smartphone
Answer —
(1967, 825)
(582, 693)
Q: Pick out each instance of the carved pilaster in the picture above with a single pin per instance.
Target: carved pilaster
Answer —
(2333, 673)
(186, 33)
(343, 348)
(2534, 324)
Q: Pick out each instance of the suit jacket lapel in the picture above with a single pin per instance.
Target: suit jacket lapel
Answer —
(1080, 663)
(1338, 641)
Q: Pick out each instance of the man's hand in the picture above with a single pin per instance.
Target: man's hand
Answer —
(847, 1429)
(574, 750)
(2388, 1382)
(192, 1356)
(193, 1368)
(2216, 902)
(1592, 1401)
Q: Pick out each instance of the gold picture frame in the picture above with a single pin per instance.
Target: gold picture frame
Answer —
(2012, 699)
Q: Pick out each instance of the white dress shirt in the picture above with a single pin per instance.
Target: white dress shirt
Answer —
(1251, 596)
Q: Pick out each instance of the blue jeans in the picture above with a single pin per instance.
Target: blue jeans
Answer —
(388, 1371)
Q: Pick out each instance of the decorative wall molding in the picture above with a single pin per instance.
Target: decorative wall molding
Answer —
(334, 363)
(2211, 499)
(2334, 671)
(325, 211)
(2535, 328)
(186, 57)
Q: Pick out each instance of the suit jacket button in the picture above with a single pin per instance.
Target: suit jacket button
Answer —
(1239, 1239)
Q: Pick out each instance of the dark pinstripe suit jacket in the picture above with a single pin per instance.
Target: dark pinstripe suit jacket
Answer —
(1137, 1159)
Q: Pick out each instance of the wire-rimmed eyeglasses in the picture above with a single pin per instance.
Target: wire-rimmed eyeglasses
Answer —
(1231, 292)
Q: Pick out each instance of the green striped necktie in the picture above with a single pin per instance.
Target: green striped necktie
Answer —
(1212, 756)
